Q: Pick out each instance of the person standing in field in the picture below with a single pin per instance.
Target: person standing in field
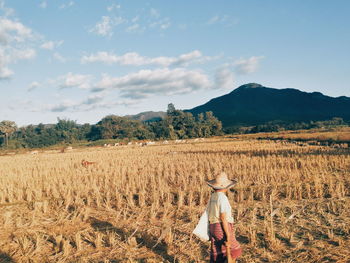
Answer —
(221, 229)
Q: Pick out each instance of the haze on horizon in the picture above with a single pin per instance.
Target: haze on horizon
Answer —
(83, 60)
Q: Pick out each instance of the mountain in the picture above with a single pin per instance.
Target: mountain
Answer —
(253, 104)
(147, 116)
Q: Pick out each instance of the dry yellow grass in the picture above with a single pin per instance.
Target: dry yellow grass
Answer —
(140, 204)
(331, 135)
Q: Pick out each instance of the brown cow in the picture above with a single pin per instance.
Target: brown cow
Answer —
(86, 163)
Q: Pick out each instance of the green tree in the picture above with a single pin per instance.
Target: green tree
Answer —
(84, 131)
(208, 125)
(6, 129)
(214, 124)
(182, 123)
(67, 130)
(185, 125)
(171, 109)
(116, 127)
(161, 129)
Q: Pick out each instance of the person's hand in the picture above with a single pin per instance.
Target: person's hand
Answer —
(228, 243)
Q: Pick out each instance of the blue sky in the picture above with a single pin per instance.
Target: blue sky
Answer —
(85, 59)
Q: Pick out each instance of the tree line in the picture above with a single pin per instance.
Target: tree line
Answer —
(276, 126)
(177, 124)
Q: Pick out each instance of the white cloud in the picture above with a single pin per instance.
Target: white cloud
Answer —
(188, 57)
(106, 25)
(67, 5)
(5, 72)
(113, 7)
(157, 21)
(213, 20)
(163, 23)
(135, 19)
(43, 4)
(92, 102)
(13, 31)
(225, 20)
(48, 45)
(71, 80)
(224, 78)
(11, 55)
(68, 105)
(133, 58)
(19, 54)
(249, 65)
(145, 83)
(34, 85)
(63, 106)
(154, 13)
(51, 45)
(17, 41)
(133, 28)
(93, 99)
(57, 56)
(14, 38)
(6, 10)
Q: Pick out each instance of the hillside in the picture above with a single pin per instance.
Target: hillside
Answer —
(147, 116)
(253, 104)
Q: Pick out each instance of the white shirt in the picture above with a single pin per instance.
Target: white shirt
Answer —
(219, 203)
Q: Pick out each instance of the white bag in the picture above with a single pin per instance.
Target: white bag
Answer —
(202, 228)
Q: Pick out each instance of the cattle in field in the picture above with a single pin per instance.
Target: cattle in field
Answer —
(165, 142)
(148, 143)
(116, 144)
(34, 152)
(86, 163)
(180, 141)
(66, 149)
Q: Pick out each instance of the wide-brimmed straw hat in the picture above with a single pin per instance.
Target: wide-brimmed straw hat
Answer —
(221, 181)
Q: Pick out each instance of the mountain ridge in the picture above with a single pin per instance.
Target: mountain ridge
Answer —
(147, 116)
(254, 104)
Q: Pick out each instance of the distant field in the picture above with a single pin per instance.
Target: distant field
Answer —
(140, 204)
(329, 136)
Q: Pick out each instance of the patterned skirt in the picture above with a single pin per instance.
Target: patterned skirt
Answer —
(218, 249)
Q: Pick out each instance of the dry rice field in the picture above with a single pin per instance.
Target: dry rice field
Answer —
(326, 136)
(140, 204)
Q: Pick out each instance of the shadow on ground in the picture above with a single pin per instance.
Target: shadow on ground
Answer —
(143, 238)
(5, 258)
